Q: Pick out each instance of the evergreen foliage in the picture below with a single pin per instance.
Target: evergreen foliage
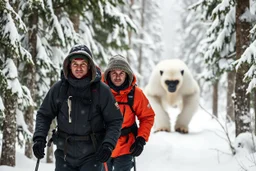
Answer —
(192, 32)
(219, 45)
(249, 55)
(102, 27)
(11, 53)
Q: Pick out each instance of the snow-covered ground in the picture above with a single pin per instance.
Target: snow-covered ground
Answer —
(203, 149)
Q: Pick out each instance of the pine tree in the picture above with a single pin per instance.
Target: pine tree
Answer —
(249, 54)
(242, 99)
(146, 45)
(219, 45)
(152, 48)
(11, 90)
(192, 32)
(34, 75)
(50, 34)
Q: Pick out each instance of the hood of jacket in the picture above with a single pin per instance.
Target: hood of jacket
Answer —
(119, 62)
(81, 50)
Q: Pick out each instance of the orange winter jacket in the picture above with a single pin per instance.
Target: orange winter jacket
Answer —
(143, 111)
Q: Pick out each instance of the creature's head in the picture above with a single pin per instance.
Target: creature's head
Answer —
(171, 80)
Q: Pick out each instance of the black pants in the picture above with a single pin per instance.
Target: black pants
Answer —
(121, 163)
(89, 165)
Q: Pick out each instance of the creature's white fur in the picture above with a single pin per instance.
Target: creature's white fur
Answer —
(186, 95)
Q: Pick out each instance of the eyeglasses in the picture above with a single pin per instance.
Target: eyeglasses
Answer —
(115, 74)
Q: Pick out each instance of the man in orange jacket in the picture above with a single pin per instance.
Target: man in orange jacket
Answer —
(120, 78)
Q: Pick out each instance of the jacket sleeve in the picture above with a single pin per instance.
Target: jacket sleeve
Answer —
(144, 112)
(47, 112)
(111, 114)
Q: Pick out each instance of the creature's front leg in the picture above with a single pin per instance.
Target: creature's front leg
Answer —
(162, 120)
(190, 105)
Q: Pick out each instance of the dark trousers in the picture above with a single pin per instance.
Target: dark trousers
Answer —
(121, 163)
(89, 165)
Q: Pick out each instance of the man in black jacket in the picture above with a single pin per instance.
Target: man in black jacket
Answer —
(88, 117)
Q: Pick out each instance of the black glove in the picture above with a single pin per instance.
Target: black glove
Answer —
(104, 152)
(38, 147)
(137, 147)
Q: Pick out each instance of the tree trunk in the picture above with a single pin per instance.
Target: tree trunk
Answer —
(230, 92)
(130, 31)
(75, 19)
(49, 153)
(242, 100)
(254, 106)
(142, 14)
(54, 77)
(9, 130)
(215, 98)
(30, 72)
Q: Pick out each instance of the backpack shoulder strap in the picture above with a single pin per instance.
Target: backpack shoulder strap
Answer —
(95, 97)
(95, 91)
(130, 99)
(63, 92)
(130, 102)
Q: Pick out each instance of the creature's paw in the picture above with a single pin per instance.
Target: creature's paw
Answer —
(181, 129)
(162, 129)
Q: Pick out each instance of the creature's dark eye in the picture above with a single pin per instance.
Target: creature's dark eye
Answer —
(161, 72)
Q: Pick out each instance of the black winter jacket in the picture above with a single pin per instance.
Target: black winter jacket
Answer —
(87, 115)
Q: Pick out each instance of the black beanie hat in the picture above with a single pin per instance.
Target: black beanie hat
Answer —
(83, 48)
(75, 56)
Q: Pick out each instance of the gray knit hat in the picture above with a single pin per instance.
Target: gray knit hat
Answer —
(119, 62)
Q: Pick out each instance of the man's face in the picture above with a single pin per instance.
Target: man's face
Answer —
(79, 68)
(117, 77)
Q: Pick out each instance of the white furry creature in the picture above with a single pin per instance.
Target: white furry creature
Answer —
(172, 84)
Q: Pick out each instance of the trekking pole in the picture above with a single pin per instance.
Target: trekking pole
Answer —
(105, 166)
(37, 164)
(134, 163)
